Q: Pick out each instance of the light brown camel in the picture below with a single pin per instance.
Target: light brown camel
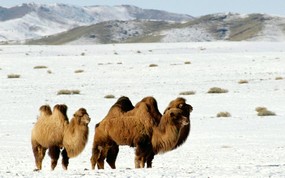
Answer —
(135, 128)
(51, 132)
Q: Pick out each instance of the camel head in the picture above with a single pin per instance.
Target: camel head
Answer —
(175, 116)
(82, 116)
(181, 104)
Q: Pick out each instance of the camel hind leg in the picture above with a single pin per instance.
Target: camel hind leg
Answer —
(39, 154)
(54, 152)
(97, 157)
(65, 159)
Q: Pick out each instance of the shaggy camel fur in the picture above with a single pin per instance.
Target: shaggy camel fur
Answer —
(125, 106)
(51, 132)
(186, 109)
(122, 105)
(76, 134)
(156, 116)
(135, 128)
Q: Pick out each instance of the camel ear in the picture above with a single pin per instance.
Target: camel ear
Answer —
(180, 106)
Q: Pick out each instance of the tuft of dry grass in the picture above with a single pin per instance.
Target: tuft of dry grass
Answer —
(109, 96)
(79, 71)
(278, 78)
(260, 109)
(153, 65)
(49, 71)
(40, 67)
(242, 81)
(187, 62)
(68, 92)
(217, 90)
(14, 76)
(263, 111)
(187, 93)
(223, 114)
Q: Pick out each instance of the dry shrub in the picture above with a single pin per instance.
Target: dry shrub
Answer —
(260, 109)
(68, 92)
(278, 78)
(242, 81)
(79, 71)
(40, 67)
(49, 71)
(14, 76)
(187, 62)
(217, 90)
(153, 65)
(109, 96)
(266, 113)
(263, 111)
(223, 114)
(187, 93)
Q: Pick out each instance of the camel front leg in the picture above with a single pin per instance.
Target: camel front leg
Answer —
(96, 154)
(139, 158)
(39, 154)
(54, 153)
(149, 159)
(112, 155)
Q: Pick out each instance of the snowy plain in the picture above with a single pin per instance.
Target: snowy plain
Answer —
(243, 145)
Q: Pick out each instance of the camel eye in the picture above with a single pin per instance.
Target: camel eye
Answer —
(172, 114)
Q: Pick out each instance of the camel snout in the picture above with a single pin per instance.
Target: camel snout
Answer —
(87, 119)
(185, 121)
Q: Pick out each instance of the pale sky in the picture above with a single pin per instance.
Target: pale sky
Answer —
(190, 7)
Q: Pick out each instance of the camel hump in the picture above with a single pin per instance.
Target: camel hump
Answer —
(45, 110)
(61, 108)
(124, 103)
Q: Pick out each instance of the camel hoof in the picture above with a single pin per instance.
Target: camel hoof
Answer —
(64, 167)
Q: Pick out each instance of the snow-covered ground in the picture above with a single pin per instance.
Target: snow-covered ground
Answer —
(243, 145)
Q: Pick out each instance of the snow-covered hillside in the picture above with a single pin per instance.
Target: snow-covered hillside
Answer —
(243, 145)
(34, 20)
